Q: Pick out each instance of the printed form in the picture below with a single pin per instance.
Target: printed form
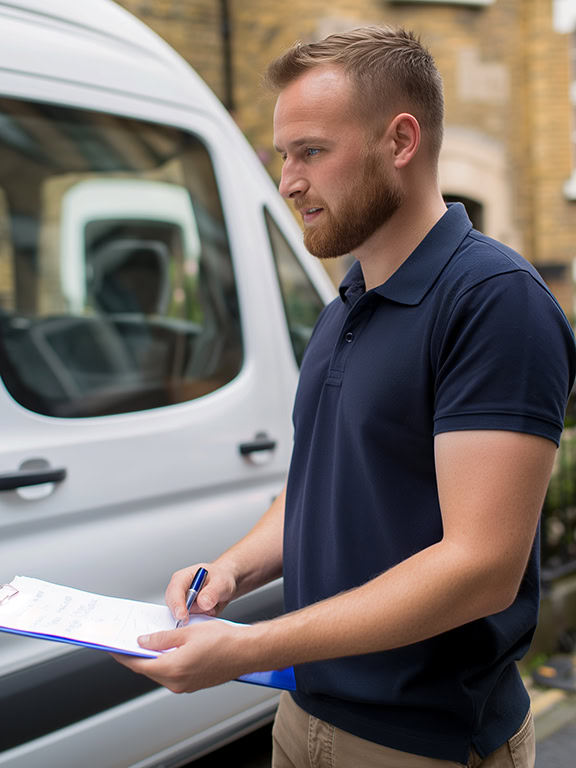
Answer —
(63, 613)
(37, 608)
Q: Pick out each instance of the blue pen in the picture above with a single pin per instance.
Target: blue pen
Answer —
(195, 587)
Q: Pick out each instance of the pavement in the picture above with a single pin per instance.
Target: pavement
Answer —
(554, 711)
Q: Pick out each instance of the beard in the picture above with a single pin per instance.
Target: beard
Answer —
(370, 203)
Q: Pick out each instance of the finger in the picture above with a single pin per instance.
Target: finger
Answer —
(135, 663)
(177, 591)
(162, 641)
(150, 667)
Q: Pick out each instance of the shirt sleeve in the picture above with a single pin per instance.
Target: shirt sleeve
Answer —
(505, 359)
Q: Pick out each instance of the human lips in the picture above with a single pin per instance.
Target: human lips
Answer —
(309, 212)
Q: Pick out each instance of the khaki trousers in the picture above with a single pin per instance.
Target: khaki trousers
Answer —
(303, 741)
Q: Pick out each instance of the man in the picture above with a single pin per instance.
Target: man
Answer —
(429, 408)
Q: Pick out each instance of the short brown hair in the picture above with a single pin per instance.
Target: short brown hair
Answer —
(388, 66)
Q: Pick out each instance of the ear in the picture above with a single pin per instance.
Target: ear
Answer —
(405, 133)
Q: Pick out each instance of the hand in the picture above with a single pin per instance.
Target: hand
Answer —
(219, 588)
(205, 655)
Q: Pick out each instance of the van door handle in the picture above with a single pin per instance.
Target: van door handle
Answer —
(13, 480)
(260, 443)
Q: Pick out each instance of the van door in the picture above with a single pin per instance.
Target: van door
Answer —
(142, 429)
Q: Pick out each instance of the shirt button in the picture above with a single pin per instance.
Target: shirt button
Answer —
(349, 337)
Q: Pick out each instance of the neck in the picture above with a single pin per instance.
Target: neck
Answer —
(382, 254)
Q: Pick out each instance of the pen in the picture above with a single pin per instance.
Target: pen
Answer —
(195, 587)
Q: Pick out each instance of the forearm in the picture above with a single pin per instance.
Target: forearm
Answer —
(257, 558)
(253, 561)
(423, 596)
(491, 488)
(432, 592)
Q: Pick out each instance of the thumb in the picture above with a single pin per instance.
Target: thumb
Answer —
(215, 595)
(207, 600)
(162, 641)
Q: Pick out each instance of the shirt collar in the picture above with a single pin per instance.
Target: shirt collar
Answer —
(415, 276)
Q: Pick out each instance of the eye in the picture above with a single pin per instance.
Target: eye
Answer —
(312, 151)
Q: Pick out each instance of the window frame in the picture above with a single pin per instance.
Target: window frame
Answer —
(206, 144)
(267, 217)
(570, 185)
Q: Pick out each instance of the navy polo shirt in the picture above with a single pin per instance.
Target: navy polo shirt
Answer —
(464, 335)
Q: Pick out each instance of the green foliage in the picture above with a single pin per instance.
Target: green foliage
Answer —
(527, 666)
(559, 514)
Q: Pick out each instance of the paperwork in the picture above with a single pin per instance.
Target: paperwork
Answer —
(37, 608)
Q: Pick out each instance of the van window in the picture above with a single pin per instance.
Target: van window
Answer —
(117, 291)
(302, 303)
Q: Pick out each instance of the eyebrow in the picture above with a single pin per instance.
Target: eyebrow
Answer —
(304, 140)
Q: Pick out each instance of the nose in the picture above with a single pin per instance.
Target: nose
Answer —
(292, 183)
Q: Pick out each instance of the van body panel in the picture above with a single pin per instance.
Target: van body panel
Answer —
(108, 47)
(154, 489)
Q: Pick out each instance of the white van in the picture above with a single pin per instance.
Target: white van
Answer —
(155, 301)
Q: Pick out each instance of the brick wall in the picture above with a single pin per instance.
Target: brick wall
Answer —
(192, 27)
(506, 74)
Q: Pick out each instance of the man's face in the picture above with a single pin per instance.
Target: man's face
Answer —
(332, 172)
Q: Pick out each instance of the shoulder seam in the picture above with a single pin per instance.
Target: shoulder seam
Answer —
(510, 270)
(490, 243)
(513, 269)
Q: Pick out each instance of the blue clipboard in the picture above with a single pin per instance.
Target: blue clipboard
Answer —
(283, 679)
